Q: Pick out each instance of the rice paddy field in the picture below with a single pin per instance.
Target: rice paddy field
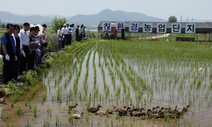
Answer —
(121, 73)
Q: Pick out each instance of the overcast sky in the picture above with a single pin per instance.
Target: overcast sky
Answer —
(197, 9)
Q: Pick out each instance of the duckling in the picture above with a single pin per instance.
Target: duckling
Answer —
(94, 109)
(123, 112)
(155, 116)
(117, 109)
(149, 113)
(157, 107)
(142, 109)
(154, 110)
(77, 116)
(101, 113)
(70, 107)
(186, 108)
(135, 108)
(162, 112)
(110, 110)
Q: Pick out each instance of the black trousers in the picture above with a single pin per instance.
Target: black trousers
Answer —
(24, 60)
(31, 60)
(68, 39)
(16, 67)
(63, 42)
(8, 70)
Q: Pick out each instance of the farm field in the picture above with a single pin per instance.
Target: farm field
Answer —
(131, 73)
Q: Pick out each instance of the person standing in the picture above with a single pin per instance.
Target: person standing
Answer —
(9, 53)
(123, 33)
(72, 30)
(24, 41)
(18, 50)
(32, 49)
(60, 38)
(77, 31)
(65, 35)
(115, 31)
(81, 32)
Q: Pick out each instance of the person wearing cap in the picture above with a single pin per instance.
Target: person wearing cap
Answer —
(9, 53)
(24, 42)
(64, 31)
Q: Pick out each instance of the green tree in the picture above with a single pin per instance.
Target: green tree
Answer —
(57, 23)
(172, 19)
(3, 26)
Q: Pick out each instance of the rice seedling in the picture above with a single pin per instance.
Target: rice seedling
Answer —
(49, 111)
(43, 99)
(10, 124)
(35, 110)
(59, 95)
(18, 110)
(75, 87)
(46, 123)
(58, 122)
(28, 124)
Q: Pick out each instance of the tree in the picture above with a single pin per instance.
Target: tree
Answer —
(57, 23)
(3, 26)
(172, 19)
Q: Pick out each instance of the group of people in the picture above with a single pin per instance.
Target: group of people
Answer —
(67, 32)
(22, 49)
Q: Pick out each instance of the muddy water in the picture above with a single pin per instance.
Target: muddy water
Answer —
(171, 84)
(176, 84)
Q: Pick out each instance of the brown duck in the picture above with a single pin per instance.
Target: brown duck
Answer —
(70, 107)
(94, 109)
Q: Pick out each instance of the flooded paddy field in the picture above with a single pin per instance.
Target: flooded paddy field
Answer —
(134, 74)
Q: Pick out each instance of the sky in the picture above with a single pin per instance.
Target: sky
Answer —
(187, 9)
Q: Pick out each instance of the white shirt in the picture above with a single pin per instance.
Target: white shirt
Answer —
(64, 30)
(24, 37)
(59, 32)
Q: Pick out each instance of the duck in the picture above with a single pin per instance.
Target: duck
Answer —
(70, 107)
(101, 113)
(110, 110)
(124, 111)
(149, 113)
(117, 109)
(94, 109)
(135, 108)
(142, 109)
(186, 108)
(138, 113)
(77, 116)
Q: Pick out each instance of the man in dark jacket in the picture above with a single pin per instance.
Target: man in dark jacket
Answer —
(77, 33)
(9, 53)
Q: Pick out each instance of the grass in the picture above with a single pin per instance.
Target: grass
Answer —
(18, 110)
(35, 110)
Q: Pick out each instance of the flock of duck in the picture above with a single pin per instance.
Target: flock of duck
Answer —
(154, 113)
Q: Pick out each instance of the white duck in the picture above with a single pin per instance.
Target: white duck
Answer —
(77, 116)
